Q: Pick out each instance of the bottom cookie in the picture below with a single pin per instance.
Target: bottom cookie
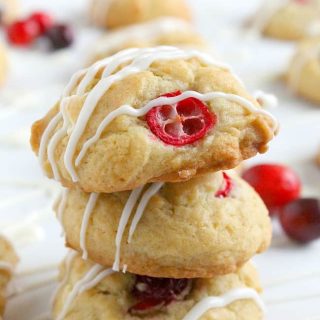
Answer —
(90, 291)
(8, 260)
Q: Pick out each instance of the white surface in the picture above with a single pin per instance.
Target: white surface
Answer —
(290, 273)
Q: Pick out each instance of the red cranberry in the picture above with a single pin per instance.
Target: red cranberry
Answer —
(276, 184)
(182, 123)
(60, 36)
(300, 219)
(43, 20)
(22, 33)
(227, 187)
(154, 293)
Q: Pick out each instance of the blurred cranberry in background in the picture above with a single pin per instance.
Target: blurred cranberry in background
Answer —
(300, 219)
(276, 184)
(22, 33)
(43, 20)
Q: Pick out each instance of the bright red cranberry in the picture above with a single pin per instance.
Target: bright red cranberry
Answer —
(182, 123)
(225, 191)
(43, 20)
(22, 33)
(300, 219)
(276, 184)
(60, 36)
(154, 293)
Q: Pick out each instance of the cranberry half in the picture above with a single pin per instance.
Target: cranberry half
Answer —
(154, 293)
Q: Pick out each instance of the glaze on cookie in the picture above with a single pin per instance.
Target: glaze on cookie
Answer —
(148, 115)
(91, 291)
(189, 229)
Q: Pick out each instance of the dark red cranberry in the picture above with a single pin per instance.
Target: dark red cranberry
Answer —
(227, 187)
(153, 293)
(22, 33)
(60, 36)
(300, 219)
(43, 20)
(276, 184)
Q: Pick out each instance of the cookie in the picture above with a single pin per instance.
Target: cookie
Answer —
(118, 13)
(303, 75)
(8, 260)
(9, 10)
(147, 115)
(288, 19)
(103, 295)
(209, 225)
(162, 31)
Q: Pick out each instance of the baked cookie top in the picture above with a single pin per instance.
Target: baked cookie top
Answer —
(89, 291)
(118, 13)
(207, 226)
(288, 19)
(167, 31)
(145, 115)
(303, 75)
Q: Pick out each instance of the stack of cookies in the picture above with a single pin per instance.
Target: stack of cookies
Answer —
(158, 229)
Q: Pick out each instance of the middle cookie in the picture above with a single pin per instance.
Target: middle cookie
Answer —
(207, 226)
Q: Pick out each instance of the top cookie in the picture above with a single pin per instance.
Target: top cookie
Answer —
(146, 115)
(288, 19)
(118, 13)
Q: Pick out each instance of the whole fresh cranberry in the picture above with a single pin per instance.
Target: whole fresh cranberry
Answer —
(43, 20)
(276, 184)
(60, 36)
(300, 219)
(22, 33)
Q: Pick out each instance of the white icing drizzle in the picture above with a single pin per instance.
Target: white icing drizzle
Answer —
(128, 110)
(140, 60)
(85, 221)
(59, 134)
(61, 207)
(67, 264)
(6, 266)
(302, 59)
(95, 275)
(126, 213)
(143, 31)
(46, 136)
(222, 301)
(153, 189)
(266, 100)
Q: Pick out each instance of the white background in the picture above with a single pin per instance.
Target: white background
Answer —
(290, 273)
